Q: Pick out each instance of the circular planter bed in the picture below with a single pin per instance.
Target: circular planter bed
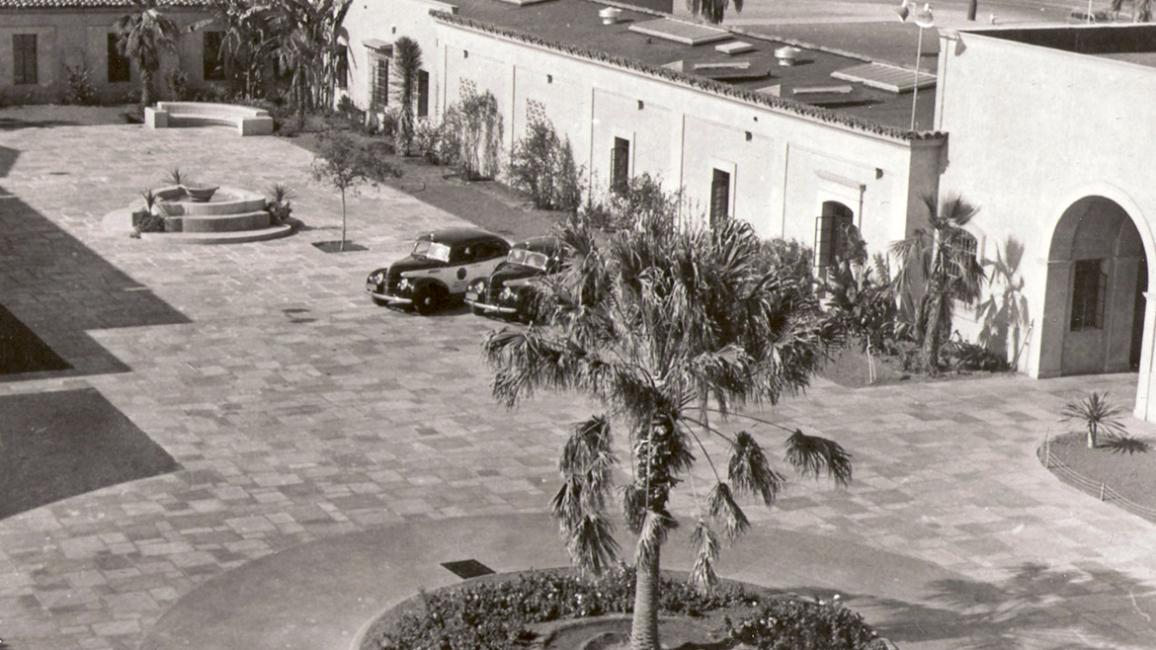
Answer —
(557, 610)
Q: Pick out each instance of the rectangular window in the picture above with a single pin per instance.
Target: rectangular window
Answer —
(1089, 286)
(212, 63)
(119, 68)
(620, 165)
(24, 59)
(380, 83)
(422, 93)
(341, 73)
(720, 196)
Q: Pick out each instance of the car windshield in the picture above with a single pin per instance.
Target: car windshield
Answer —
(528, 258)
(431, 250)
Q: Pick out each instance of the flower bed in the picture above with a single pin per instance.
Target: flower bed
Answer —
(498, 613)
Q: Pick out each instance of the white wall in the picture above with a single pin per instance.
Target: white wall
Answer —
(1033, 130)
(784, 171)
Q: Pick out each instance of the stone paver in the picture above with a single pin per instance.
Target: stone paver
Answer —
(299, 412)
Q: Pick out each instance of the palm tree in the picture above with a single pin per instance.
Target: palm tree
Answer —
(309, 36)
(249, 44)
(407, 63)
(663, 328)
(712, 11)
(143, 35)
(938, 266)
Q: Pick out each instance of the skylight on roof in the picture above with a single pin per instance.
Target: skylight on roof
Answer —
(883, 76)
(680, 32)
(734, 47)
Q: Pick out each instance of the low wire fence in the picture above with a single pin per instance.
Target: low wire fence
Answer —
(1094, 487)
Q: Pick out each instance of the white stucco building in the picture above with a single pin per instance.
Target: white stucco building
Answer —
(1045, 128)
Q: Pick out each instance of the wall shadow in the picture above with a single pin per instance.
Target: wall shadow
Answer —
(64, 443)
(58, 288)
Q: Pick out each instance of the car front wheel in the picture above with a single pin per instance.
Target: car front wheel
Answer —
(428, 299)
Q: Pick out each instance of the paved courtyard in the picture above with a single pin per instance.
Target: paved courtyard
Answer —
(299, 412)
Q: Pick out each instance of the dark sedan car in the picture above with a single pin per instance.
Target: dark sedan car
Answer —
(438, 269)
(507, 291)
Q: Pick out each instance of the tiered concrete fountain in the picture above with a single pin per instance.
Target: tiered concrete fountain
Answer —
(198, 214)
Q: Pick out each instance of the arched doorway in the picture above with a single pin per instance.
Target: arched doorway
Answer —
(1095, 302)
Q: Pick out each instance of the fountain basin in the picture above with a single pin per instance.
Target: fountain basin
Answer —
(225, 200)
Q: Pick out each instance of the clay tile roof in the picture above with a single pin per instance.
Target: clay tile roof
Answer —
(91, 4)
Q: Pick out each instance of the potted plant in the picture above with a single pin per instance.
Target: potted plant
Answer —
(199, 192)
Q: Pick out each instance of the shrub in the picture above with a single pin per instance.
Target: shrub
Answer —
(1098, 415)
(964, 355)
(278, 203)
(643, 198)
(79, 90)
(178, 82)
(438, 143)
(800, 625)
(543, 166)
(474, 128)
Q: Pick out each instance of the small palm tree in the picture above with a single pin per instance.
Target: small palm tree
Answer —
(663, 328)
(407, 64)
(144, 34)
(1097, 414)
(937, 267)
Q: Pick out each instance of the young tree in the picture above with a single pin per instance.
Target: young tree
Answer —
(344, 164)
(936, 268)
(143, 35)
(665, 327)
(407, 65)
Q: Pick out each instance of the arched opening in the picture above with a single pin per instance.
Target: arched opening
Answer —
(1095, 302)
(832, 234)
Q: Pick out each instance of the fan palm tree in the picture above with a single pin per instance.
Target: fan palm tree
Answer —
(937, 267)
(407, 64)
(712, 11)
(664, 328)
(144, 34)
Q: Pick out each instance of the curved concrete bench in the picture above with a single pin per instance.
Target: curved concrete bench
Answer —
(246, 119)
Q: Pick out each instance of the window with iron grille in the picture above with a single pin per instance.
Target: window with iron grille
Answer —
(964, 246)
(422, 93)
(620, 165)
(212, 63)
(720, 196)
(119, 68)
(830, 229)
(24, 70)
(1089, 286)
(380, 83)
(341, 70)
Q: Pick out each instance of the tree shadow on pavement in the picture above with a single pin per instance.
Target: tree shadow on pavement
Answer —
(1037, 607)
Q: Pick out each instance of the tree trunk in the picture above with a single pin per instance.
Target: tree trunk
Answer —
(644, 626)
(931, 333)
(972, 6)
(1092, 436)
(146, 88)
(342, 245)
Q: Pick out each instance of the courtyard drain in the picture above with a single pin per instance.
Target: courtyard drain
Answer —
(466, 569)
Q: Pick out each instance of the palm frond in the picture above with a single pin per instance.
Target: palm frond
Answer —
(705, 546)
(655, 528)
(750, 472)
(722, 506)
(592, 545)
(815, 456)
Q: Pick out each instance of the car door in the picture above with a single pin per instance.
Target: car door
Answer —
(463, 261)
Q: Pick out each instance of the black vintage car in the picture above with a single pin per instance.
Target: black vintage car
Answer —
(507, 291)
(438, 269)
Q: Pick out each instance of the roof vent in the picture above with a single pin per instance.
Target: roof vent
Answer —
(610, 15)
(787, 55)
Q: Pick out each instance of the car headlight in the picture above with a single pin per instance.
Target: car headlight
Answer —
(404, 285)
(478, 286)
(507, 295)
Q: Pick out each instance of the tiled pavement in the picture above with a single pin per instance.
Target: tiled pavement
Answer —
(299, 411)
